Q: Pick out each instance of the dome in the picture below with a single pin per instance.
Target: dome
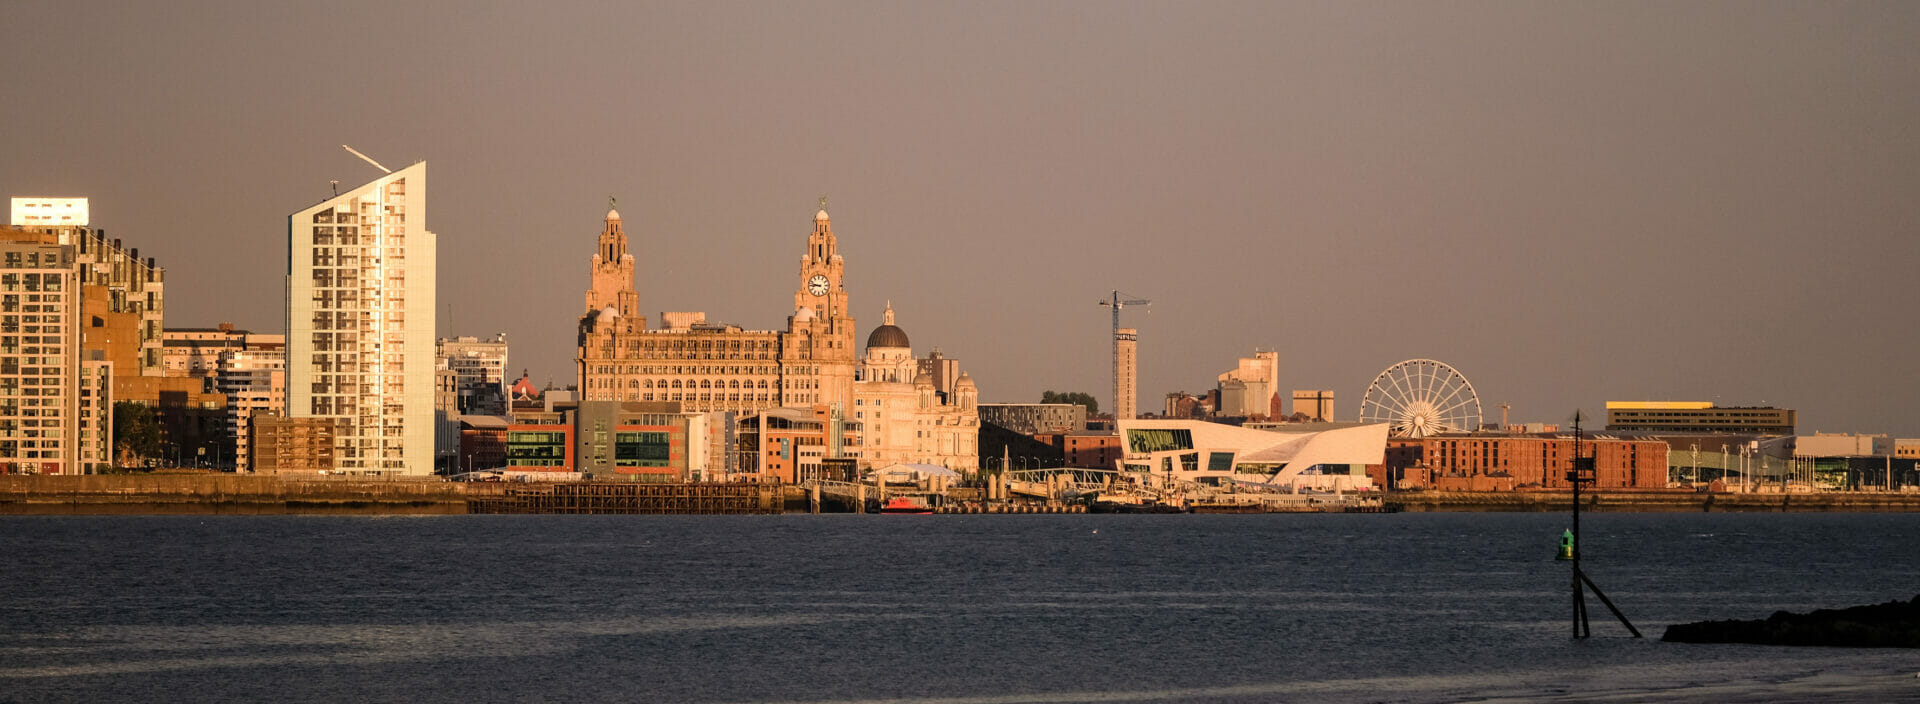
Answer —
(606, 315)
(820, 216)
(803, 315)
(888, 336)
(965, 381)
(613, 215)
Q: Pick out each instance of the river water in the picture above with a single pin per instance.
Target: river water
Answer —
(925, 609)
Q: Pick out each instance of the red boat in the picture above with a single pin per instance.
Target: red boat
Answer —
(905, 505)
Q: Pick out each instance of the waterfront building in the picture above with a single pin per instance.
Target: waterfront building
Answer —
(1251, 388)
(446, 416)
(1334, 457)
(483, 443)
(1843, 445)
(1313, 404)
(1697, 417)
(286, 446)
(247, 368)
(639, 441)
(797, 444)
(1505, 462)
(1126, 371)
(1907, 448)
(710, 367)
(42, 380)
(1085, 449)
(905, 417)
(120, 302)
(1035, 418)
(360, 322)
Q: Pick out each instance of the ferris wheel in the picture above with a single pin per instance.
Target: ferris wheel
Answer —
(1421, 397)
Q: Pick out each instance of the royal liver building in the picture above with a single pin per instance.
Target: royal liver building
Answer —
(710, 367)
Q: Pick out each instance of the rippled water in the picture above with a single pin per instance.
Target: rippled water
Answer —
(990, 609)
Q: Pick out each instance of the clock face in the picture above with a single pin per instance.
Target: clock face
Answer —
(817, 285)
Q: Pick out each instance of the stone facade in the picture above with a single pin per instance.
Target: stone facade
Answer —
(717, 367)
(905, 417)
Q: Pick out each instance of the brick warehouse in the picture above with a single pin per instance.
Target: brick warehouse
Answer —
(1542, 461)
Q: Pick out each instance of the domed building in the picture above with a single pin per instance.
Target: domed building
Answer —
(909, 413)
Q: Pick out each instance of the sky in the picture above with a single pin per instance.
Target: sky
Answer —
(1570, 203)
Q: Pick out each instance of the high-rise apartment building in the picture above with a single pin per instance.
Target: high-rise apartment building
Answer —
(41, 382)
(1126, 372)
(360, 323)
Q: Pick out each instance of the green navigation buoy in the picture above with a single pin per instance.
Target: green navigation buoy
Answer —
(1566, 546)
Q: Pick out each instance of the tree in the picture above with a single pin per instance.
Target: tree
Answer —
(1075, 397)
(136, 433)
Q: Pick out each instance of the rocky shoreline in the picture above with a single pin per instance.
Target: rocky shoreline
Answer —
(1895, 624)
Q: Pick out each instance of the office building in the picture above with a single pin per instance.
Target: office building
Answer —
(360, 323)
(1697, 417)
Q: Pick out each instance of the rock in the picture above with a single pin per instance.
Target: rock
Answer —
(1895, 624)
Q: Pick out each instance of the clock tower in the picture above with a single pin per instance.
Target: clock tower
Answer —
(819, 344)
(822, 272)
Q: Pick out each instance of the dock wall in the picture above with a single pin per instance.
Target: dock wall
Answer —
(232, 494)
(1656, 501)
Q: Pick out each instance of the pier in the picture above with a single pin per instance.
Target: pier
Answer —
(618, 498)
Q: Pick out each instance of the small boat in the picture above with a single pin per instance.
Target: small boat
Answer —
(905, 505)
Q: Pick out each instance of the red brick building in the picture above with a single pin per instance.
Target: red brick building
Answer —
(1538, 461)
(1096, 451)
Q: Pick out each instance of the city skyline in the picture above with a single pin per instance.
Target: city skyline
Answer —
(1570, 205)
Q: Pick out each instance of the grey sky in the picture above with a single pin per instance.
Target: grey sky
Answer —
(1569, 202)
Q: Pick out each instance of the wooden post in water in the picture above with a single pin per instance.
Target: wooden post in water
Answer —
(813, 498)
(1584, 472)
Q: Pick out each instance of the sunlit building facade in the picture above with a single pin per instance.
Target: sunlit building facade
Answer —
(360, 323)
(709, 367)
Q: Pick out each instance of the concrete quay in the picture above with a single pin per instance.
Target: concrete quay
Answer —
(1653, 501)
(134, 494)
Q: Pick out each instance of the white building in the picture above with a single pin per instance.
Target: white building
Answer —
(1330, 456)
(360, 322)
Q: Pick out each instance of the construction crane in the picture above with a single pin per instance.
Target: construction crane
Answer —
(1118, 301)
